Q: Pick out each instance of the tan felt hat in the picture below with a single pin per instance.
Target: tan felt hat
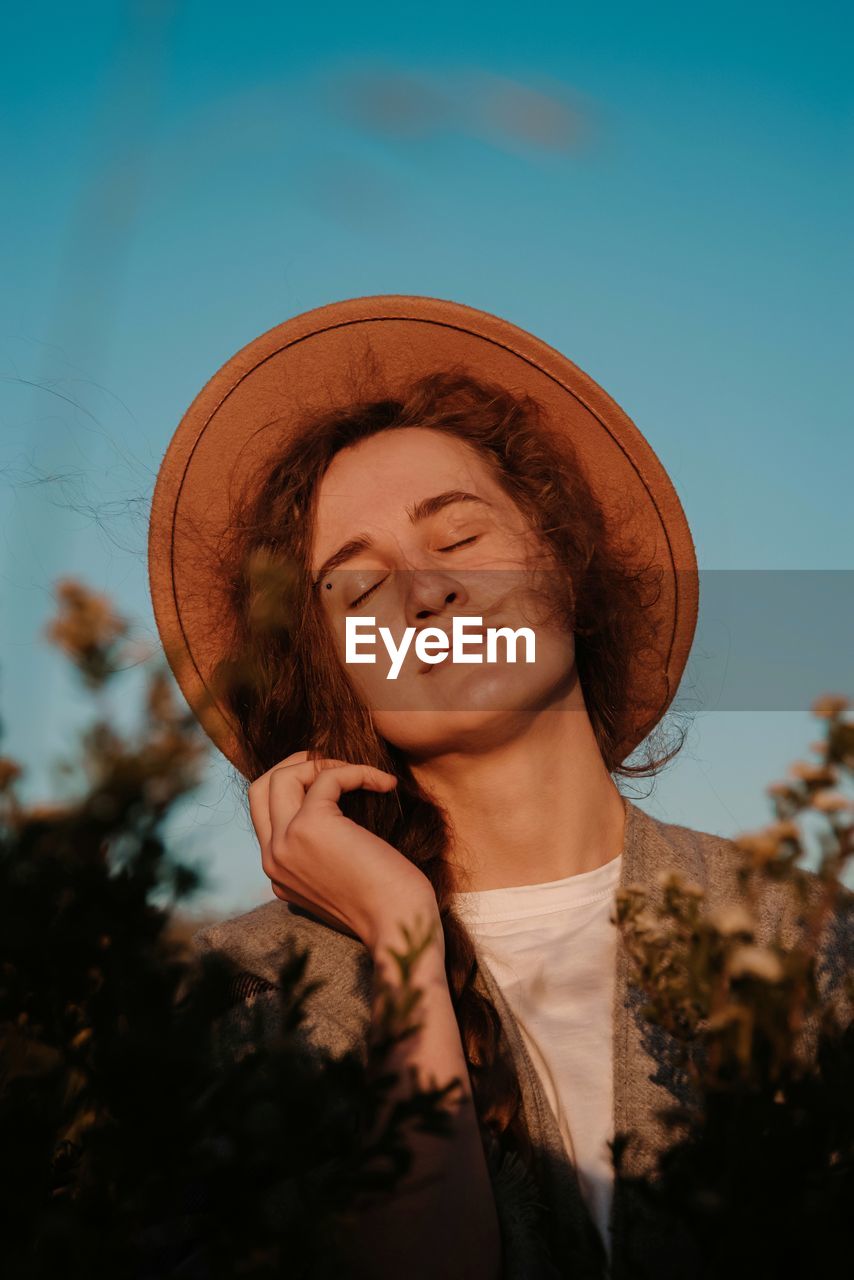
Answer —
(309, 364)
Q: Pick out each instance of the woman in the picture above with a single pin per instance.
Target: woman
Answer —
(477, 800)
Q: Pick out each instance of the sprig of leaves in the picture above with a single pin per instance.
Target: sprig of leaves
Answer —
(126, 1147)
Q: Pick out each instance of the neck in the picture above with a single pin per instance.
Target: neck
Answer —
(541, 806)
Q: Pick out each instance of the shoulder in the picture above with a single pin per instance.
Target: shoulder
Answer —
(338, 972)
(261, 939)
(655, 847)
(715, 862)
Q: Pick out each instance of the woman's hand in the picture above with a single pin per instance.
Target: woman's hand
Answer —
(319, 859)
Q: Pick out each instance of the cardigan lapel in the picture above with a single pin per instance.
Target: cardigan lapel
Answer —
(647, 1080)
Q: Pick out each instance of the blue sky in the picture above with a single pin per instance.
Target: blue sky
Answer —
(664, 194)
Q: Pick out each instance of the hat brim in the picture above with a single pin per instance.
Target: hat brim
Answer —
(312, 363)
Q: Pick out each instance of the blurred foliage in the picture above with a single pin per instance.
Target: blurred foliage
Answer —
(756, 1001)
(127, 1150)
(124, 1149)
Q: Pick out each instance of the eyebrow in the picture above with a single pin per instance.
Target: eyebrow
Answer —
(419, 511)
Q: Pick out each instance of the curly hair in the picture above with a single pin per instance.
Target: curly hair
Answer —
(287, 690)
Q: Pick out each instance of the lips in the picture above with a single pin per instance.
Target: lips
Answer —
(471, 636)
(427, 667)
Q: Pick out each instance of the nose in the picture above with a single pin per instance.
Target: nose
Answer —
(431, 594)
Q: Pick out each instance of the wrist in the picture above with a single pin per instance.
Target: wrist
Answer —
(420, 919)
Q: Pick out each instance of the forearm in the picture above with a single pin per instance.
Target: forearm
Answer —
(440, 1220)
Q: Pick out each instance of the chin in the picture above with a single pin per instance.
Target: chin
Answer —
(425, 734)
(475, 709)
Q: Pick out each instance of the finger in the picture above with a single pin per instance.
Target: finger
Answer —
(330, 784)
(286, 793)
(259, 811)
(287, 786)
(277, 803)
(290, 789)
(259, 794)
(277, 797)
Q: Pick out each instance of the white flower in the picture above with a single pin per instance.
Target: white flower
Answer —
(668, 879)
(829, 705)
(732, 919)
(756, 962)
(693, 890)
(809, 772)
(831, 801)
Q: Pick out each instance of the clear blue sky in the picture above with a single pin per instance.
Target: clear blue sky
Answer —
(663, 193)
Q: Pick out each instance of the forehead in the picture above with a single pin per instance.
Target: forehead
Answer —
(369, 485)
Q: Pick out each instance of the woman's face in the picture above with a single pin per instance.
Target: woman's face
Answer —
(413, 529)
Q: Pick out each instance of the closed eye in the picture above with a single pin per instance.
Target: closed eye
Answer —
(365, 595)
(463, 543)
(370, 590)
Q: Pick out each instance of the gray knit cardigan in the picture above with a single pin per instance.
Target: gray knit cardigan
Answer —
(546, 1229)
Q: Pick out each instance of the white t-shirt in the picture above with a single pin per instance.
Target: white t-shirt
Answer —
(552, 950)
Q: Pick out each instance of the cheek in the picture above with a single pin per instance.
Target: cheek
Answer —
(369, 682)
(511, 686)
(408, 692)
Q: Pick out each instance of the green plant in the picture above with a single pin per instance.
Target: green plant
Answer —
(124, 1150)
(759, 1179)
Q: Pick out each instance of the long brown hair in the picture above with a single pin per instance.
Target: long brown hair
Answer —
(287, 690)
